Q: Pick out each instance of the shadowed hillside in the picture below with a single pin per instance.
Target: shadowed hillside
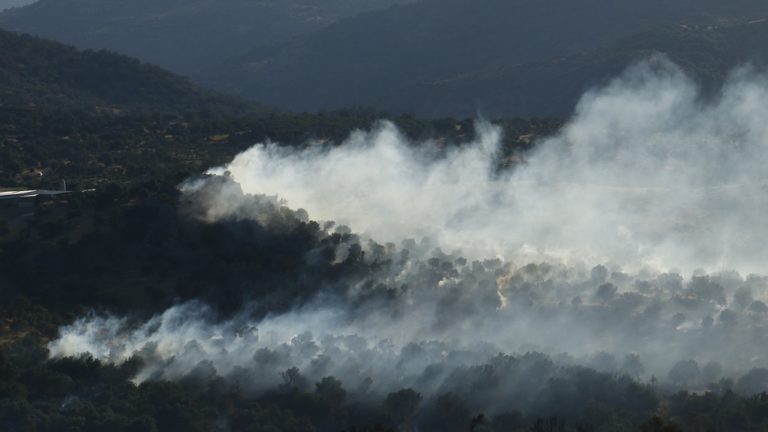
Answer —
(181, 35)
(39, 73)
(553, 87)
(377, 59)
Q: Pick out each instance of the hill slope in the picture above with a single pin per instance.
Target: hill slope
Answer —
(361, 61)
(98, 117)
(181, 35)
(76, 114)
(37, 72)
(551, 88)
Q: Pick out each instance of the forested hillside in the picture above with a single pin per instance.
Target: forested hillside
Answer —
(393, 222)
(95, 116)
(48, 75)
(434, 58)
(376, 59)
(708, 54)
(182, 35)
(62, 261)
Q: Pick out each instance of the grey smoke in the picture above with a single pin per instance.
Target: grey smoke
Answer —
(631, 242)
(7, 4)
(646, 174)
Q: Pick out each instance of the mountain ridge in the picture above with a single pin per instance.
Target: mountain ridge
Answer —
(361, 61)
(552, 88)
(180, 35)
(39, 72)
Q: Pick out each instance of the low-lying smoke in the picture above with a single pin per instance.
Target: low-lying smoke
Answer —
(648, 177)
(450, 313)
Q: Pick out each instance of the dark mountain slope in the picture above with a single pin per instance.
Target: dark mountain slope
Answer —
(551, 88)
(97, 117)
(73, 114)
(37, 72)
(361, 61)
(181, 35)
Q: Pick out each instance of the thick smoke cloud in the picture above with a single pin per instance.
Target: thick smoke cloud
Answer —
(615, 245)
(647, 173)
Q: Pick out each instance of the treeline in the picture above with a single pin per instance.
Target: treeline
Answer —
(139, 249)
(83, 394)
(39, 146)
(96, 117)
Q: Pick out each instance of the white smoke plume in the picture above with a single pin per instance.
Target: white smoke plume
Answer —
(647, 173)
(665, 187)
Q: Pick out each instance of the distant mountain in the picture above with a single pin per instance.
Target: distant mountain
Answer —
(94, 117)
(38, 73)
(551, 88)
(396, 58)
(181, 35)
(428, 57)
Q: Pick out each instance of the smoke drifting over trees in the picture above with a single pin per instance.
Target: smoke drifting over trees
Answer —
(624, 251)
(649, 173)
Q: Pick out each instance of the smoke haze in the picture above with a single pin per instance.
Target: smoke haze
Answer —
(647, 173)
(7, 4)
(632, 242)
